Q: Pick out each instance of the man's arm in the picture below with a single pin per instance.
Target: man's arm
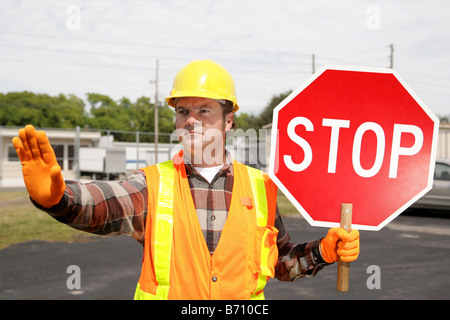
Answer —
(296, 260)
(104, 207)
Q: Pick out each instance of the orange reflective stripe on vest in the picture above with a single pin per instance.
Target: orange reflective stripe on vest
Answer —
(177, 263)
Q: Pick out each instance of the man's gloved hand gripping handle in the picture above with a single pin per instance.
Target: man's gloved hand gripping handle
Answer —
(339, 242)
(41, 172)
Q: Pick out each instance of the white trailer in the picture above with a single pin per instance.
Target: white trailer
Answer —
(103, 163)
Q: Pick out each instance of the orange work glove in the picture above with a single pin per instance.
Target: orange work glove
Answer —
(41, 172)
(339, 242)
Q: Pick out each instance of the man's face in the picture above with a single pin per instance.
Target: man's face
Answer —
(201, 126)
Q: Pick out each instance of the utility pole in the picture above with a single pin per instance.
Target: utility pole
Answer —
(76, 153)
(313, 63)
(392, 56)
(156, 111)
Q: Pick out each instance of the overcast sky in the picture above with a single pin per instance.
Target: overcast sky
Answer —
(111, 47)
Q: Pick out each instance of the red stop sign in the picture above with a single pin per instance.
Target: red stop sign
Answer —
(353, 135)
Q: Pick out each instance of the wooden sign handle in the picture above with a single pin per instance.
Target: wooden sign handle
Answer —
(344, 267)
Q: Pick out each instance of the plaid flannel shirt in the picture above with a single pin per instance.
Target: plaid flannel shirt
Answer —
(120, 207)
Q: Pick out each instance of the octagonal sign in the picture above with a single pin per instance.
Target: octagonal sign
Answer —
(353, 135)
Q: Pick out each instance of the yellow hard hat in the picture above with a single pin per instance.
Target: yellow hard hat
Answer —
(205, 79)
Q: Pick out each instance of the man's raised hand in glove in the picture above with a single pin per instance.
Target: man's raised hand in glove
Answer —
(41, 172)
(339, 242)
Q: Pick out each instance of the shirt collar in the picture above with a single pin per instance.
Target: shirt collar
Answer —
(226, 169)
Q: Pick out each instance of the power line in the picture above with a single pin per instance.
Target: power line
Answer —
(446, 94)
(142, 68)
(202, 49)
(447, 86)
(136, 55)
(241, 71)
(78, 51)
(65, 64)
(281, 53)
(426, 75)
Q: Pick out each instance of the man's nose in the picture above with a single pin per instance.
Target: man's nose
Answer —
(192, 121)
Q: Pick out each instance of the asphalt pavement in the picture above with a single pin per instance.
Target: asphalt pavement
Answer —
(407, 260)
(410, 257)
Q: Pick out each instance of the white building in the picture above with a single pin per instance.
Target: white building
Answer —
(443, 148)
(62, 140)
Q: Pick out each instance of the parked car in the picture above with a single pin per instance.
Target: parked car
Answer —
(438, 198)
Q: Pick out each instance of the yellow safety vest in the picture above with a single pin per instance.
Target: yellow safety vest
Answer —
(177, 263)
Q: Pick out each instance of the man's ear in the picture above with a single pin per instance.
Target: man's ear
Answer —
(229, 118)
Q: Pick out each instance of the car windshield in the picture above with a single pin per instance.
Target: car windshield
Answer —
(442, 171)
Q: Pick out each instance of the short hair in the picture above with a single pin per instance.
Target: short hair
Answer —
(228, 107)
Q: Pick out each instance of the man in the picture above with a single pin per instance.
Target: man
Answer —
(209, 225)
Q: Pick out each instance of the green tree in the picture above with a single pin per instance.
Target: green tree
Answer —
(108, 114)
(248, 121)
(125, 115)
(443, 118)
(143, 119)
(166, 123)
(142, 115)
(266, 115)
(71, 111)
(41, 110)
